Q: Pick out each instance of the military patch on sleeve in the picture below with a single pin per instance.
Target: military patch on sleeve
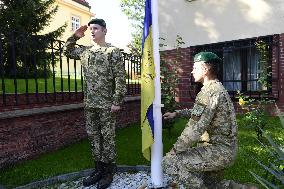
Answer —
(197, 111)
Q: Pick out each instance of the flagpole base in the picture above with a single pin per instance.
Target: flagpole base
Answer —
(164, 185)
(145, 186)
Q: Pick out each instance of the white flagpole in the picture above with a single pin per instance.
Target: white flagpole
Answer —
(157, 147)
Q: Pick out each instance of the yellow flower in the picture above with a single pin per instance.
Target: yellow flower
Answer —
(241, 102)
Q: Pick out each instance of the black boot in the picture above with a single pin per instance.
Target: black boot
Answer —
(95, 176)
(108, 172)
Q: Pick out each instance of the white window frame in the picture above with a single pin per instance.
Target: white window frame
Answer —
(75, 22)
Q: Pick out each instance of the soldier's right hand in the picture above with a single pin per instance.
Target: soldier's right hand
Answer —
(169, 115)
(80, 32)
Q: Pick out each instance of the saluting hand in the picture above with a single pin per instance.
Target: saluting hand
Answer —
(80, 32)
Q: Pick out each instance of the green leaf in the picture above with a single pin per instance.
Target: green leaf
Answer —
(263, 182)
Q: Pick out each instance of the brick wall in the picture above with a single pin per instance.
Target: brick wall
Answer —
(274, 67)
(25, 134)
(280, 57)
(185, 91)
(130, 112)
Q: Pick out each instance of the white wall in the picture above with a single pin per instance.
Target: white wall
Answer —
(209, 21)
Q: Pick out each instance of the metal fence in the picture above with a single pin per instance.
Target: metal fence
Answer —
(34, 70)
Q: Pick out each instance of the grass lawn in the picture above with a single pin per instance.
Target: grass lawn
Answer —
(78, 156)
(21, 85)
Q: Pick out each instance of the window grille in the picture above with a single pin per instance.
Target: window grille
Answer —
(240, 66)
(75, 23)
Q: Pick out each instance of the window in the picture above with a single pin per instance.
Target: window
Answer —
(240, 69)
(75, 23)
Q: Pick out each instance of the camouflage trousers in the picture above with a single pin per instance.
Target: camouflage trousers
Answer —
(190, 168)
(100, 127)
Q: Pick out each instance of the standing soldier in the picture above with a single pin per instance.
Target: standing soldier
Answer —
(208, 144)
(104, 89)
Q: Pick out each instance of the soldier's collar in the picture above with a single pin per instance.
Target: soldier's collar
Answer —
(96, 46)
(210, 82)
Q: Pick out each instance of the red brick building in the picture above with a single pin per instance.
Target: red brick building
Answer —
(239, 69)
(230, 29)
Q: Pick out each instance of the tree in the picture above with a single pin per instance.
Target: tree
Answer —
(21, 21)
(134, 10)
(28, 16)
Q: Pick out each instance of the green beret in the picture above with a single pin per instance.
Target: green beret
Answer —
(98, 21)
(207, 57)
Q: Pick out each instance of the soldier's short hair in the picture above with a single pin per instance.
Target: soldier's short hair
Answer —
(98, 21)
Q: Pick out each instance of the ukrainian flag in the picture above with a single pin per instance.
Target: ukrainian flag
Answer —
(147, 84)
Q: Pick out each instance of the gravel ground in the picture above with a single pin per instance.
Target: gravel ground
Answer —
(126, 177)
(122, 180)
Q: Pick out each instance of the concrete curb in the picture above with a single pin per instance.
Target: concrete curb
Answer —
(71, 176)
(49, 109)
(41, 110)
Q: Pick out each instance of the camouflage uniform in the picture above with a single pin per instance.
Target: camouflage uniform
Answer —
(104, 86)
(209, 141)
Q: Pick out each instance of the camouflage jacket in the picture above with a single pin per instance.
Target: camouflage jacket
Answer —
(104, 73)
(184, 113)
(213, 113)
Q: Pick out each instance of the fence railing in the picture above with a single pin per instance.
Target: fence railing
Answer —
(34, 70)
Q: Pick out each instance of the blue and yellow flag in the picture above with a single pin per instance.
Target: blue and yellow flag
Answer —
(147, 84)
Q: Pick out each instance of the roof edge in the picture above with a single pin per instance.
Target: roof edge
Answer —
(83, 2)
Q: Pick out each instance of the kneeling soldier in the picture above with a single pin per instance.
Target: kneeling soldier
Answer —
(208, 144)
